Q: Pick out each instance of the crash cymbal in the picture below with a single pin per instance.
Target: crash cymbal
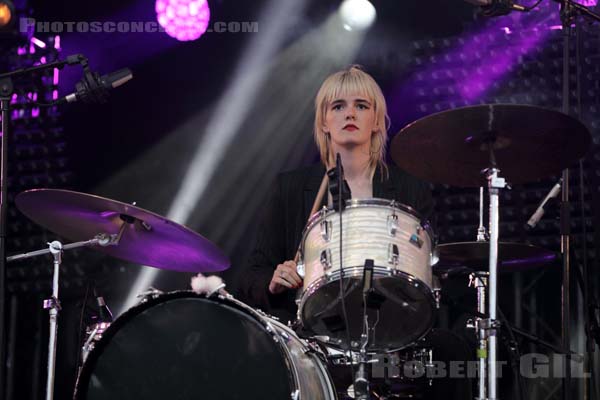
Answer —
(146, 238)
(452, 147)
(512, 257)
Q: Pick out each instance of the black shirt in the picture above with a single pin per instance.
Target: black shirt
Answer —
(286, 214)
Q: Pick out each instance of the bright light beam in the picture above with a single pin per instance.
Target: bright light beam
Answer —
(232, 108)
(283, 136)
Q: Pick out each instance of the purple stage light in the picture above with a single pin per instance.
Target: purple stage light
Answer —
(38, 42)
(498, 63)
(466, 70)
(183, 19)
(588, 3)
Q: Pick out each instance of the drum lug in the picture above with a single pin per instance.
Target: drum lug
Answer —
(437, 297)
(392, 223)
(300, 269)
(295, 394)
(285, 336)
(393, 254)
(151, 293)
(326, 227)
(326, 259)
(323, 212)
(415, 240)
(273, 332)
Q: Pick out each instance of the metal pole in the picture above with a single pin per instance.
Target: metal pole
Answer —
(54, 306)
(495, 183)
(5, 94)
(566, 19)
(479, 281)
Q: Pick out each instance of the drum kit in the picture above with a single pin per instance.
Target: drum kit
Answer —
(188, 345)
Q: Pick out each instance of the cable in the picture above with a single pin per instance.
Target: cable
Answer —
(83, 305)
(342, 294)
(515, 355)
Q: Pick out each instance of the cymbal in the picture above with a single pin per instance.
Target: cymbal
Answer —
(452, 147)
(146, 238)
(512, 257)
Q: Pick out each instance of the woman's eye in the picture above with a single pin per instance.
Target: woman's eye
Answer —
(363, 107)
(337, 107)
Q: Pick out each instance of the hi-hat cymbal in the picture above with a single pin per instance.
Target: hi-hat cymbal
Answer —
(452, 147)
(146, 238)
(512, 257)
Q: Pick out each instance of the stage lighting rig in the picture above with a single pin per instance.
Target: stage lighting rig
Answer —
(494, 8)
(357, 14)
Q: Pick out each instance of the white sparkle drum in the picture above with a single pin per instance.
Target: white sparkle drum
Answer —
(402, 249)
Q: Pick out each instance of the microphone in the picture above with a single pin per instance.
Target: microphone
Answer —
(104, 313)
(336, 179)
(94, 88)
(539, 212)
(340, 176)
(455, 271)
(493, 8)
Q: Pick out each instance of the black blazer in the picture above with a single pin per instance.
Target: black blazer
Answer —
(286, 214)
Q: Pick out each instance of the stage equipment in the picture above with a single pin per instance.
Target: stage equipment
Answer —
(137, 235)
(402, 249)
(464, 146)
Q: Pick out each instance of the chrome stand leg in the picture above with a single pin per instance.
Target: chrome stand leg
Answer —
(53, 305)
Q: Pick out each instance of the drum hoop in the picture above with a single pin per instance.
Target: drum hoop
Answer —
(377, 271)
(357, 271)
(123, 319)
(374, 202)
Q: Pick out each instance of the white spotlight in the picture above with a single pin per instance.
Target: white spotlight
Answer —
(357, 14)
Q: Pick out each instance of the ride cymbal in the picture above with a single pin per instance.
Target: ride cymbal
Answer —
(453, 147)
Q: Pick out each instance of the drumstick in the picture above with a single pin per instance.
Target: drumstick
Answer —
(315, 207)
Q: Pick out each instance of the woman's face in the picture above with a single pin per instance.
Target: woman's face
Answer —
(350, 120)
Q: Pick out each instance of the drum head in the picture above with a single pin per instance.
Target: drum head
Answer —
(184, 346)
(402, 311)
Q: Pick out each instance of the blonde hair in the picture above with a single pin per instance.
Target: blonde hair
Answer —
(352, 80)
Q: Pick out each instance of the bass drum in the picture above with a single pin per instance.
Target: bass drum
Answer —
(183, 346)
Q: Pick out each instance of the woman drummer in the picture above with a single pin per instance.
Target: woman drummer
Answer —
(350, 119)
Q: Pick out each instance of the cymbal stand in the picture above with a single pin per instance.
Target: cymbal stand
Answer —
(479, 281)
(52, 304)
(491, 324)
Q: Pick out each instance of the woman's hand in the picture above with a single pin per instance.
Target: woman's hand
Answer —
(285, 277)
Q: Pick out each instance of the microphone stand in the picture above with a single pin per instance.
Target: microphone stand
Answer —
(569, 10)
(52, 304)
(6, 93)
(340, 192)
(565, 220)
